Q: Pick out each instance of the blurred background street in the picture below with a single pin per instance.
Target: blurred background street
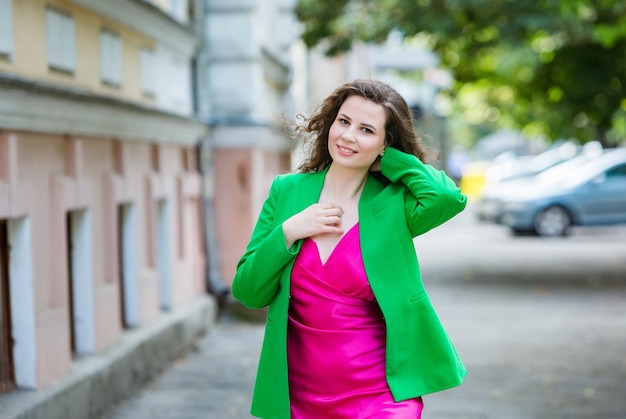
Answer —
(139, 139)
(539, 323)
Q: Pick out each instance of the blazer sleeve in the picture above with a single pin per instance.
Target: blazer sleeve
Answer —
(431, 197)
(257, 278)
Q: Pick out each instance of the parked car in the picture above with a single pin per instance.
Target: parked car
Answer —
(527, 166)
(593, 193)
(495, 193)
(492, 150)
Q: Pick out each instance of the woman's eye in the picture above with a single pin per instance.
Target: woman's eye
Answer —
(367, 130)
(343, 121)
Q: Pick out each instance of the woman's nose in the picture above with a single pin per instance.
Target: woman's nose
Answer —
(349, 135)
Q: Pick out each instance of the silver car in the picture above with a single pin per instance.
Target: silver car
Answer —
(593, 193)
(495, 194)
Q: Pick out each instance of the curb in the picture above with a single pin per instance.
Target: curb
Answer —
(97, 383)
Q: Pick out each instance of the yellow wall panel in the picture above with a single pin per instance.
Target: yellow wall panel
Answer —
(30, 56)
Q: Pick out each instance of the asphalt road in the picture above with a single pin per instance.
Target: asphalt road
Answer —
(540, 324)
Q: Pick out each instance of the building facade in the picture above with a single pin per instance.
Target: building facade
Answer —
(244, 90)
(138, 141)
(100, 191)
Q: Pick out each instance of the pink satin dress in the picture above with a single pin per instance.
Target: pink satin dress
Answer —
(336, 339)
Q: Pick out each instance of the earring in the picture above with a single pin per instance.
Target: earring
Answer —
(382, 153)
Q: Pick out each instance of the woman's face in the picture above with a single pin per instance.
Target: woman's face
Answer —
(357, 136)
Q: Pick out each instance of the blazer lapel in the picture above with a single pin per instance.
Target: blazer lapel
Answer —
(308, 191)
(371, 194)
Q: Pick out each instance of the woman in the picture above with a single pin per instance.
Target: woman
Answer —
(350, 331)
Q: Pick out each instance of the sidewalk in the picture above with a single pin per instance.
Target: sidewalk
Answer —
(538, 323)
(214, 381)
(532, 353)
(100, 381)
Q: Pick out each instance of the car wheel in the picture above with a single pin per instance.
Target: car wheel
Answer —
(553, 221)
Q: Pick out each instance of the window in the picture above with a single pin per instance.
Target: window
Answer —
(178, 10)
(146, 63)
(110, 58)
(178, 92)
(6, 28)
(61, 41)
(617, 172)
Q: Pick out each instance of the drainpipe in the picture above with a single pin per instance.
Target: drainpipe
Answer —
(214, 282)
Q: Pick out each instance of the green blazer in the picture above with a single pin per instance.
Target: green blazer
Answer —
(410, 199)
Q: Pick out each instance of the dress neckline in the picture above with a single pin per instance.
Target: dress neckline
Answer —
(332, 252)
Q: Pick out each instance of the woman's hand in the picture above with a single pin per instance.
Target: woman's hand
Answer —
(313, 220)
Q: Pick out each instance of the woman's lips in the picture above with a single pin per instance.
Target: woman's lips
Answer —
(345, 150)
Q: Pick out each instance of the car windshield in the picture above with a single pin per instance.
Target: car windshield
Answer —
(561, 170)
(564, 170)
(594, 167)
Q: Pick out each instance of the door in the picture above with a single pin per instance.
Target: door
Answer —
(7, 367)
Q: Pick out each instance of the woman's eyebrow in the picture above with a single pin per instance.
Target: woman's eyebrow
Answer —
(372, 127)
(343, 115)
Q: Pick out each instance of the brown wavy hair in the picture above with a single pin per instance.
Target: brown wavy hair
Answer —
(400, 130)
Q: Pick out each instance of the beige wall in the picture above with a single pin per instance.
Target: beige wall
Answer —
(45, 176)
(30, 57)
(242, 181)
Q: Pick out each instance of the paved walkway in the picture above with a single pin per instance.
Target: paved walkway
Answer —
(540, 324)
(213, 382)
(531, 355)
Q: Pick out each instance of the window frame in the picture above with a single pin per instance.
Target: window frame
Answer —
(6, 29)
(147, 71)
(111, 57)
(60, 40)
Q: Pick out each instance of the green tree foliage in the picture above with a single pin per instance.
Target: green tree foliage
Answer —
(552, 67)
